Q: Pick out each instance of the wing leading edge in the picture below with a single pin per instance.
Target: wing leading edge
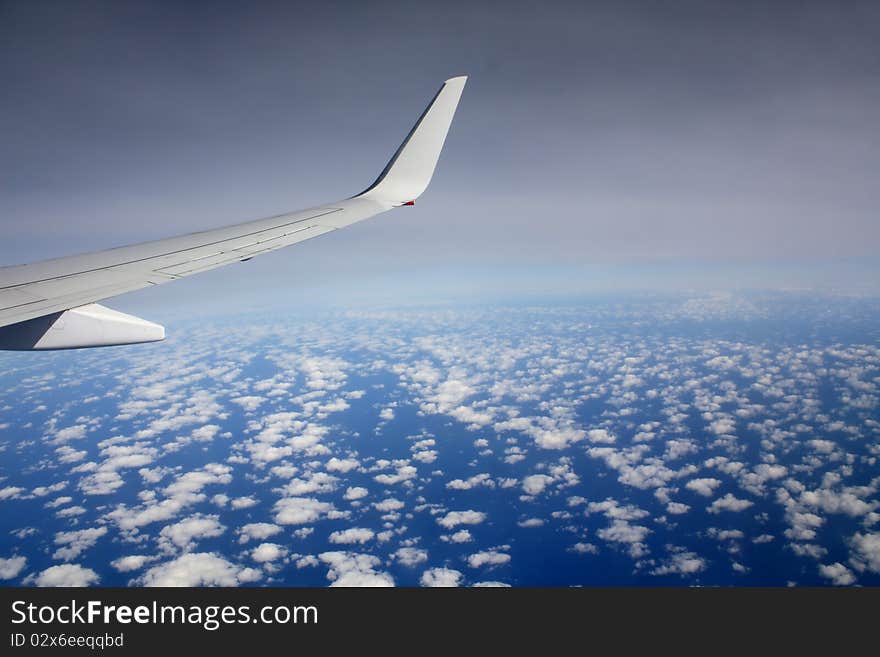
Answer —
(52, 304)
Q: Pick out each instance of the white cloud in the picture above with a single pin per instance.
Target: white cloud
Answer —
(388, 505)
(839, 574)
(352, 535)
(11, 567)
(404, 473)
(614, 511)
(682, 563)
(131, 562)
(198, 569)
(441, 577)
(455, 518)
(601, 436)
(341, 465)
(488, 558)
(256, 531)
(846, 502)
(300, 510)
(535, 484)
(410, 556)
(76, 542)
(531, 522)
(729, 503)
(205, 433)
(186, 533)
(69, 433)
(865, 553)
(243, 502)
(461, 536)
(355, 493)
(482, 479)
(10, 492)
(267, 552)
(620, 531)
(249, 402)
(67, 575)
(352, 569)
(705, 486)
(490, 585)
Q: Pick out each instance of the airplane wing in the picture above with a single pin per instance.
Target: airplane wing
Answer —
(51, 304)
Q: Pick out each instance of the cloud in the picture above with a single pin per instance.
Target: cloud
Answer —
(67, 434)
(11, 567)
(341, 465)
(612, 510)
(441, 577)
(352, 569)
(256, 531)
(482, 479)
(677, 508)
(705, 486)
(76, 542)
(547, 432)
(388, 505)
(198, 569)
(461, 536)
(243, 502)
(531, 522)
(404, 473)
(184, 491)
(729, 503)
(10, 492)
(352, 535)
(312, 482)
(601, 436)
(535, 484)
(355, 493)
(455, 518)
(682, 563)
(839, 574)
(490, 585)
(267, 552)
(846, 502)
(300, 510)
(410, 556)
(186, 533)
(621, 531)
(865, 553)
(67, 575)
(249, 402)
(131, 562)
(205, 433)
(488, 558)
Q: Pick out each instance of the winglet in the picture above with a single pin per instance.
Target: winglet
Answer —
(408, 173)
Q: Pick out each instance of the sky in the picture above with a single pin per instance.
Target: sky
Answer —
(598, 145)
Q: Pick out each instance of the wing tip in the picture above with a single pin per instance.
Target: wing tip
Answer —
(405, 178)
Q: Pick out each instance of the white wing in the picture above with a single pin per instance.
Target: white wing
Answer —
(51, 304)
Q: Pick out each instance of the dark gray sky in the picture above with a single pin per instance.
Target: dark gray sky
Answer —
(596, 143)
